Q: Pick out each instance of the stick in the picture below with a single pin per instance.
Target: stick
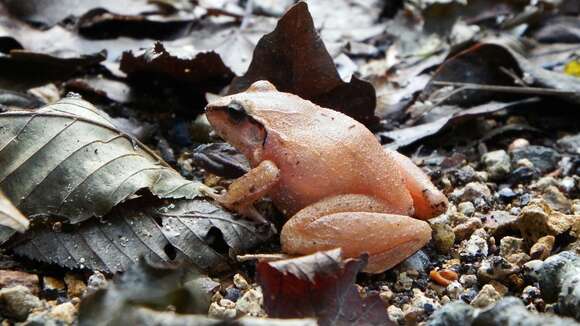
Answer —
(506, 89)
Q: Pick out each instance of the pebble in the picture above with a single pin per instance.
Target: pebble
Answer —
(487, 295)
(475, 247)
(443, 236)
(545, 159)
(222, 312)
(509, 245)
(506, 194)
(17, 302)
(518, 143)
(567, 184)
(522, 174)
(544, 182)
(403, 283)
(518, 259)
(497, 164)
(251, 303)
(386, 294)
(570, 143)
(53, 287)
(557, 200)
(65, 312)
(12, 278)
(496, 268)
(543, 247)
(476, 192)
(511, 311)
(240, 282)
(465, 229)
(530, 293)
(538, 220)
(454, 313)
(466, 208)
(75, 286)
(468, 280)
(419, 262)
(396, 314)
(96, 282)
(233, 294)
(420, 308)
(455, 289)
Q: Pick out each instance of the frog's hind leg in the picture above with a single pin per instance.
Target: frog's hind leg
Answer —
(357, 224)
(427, 199)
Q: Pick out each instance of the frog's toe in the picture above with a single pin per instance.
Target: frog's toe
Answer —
(387, 238)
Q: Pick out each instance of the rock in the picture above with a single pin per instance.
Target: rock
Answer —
(518, 259)
(530, 293)
(506, 194)
(522, 174)
(53, 287)
(404, 282)
(570, 143)
(13, 278)
(220, 312)
(240, 282)
(497, 164)
(96, 282)
(455, 289)
(443, 236)
(420, 308)
(75, 286)
(487, 296)
(475, 192)
(468, 280)
(17, 302)
(557, 200)
(251, 303)
(544, 182)
(499, 221)
(510, 245)
(543, 247)
(511, 312)
(545, 159)
(518, 143)
(567, 184)
(419, 262)
(496, 268)
(233, 294)
(64, 312)
(475, 247)
(465, 229)
(466, 208)
(537, 220)
(454, 313)
(386, 294)
(396, 314)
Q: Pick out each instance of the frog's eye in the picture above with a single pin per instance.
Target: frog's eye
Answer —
(236, 112)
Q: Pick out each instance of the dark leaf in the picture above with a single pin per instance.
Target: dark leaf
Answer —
(295, 60)
(103, 24)
(221, 159)
(68, 159)
(141, 297)
(408, 136)
(560, 29)
(320, 285)
(100, 88)
(144, 285)
(188, 73)
(51, 12)
(196, 231)
(18, 100)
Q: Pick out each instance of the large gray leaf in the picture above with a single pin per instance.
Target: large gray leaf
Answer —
(195, 230)
(68, 159)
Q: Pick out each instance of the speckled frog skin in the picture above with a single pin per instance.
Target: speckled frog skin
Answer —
(329, 174)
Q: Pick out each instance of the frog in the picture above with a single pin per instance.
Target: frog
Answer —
(326, 172)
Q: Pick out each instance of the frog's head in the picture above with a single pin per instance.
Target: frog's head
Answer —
(234, 119)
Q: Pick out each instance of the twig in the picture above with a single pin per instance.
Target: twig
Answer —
(266, 257)
(505, 89)
(513, 75)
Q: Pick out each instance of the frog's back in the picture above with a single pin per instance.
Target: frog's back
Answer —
(322, 153)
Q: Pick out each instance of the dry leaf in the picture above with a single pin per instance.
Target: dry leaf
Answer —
(10, 216)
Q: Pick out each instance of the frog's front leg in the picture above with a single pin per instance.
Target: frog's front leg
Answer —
(247, 189)
(357, 224)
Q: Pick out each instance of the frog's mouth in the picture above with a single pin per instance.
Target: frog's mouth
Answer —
(233, 123)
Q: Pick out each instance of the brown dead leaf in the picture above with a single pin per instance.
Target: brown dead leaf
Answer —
(295, 60)
(319, 285)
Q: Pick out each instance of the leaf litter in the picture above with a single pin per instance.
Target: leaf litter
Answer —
(443, 76)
